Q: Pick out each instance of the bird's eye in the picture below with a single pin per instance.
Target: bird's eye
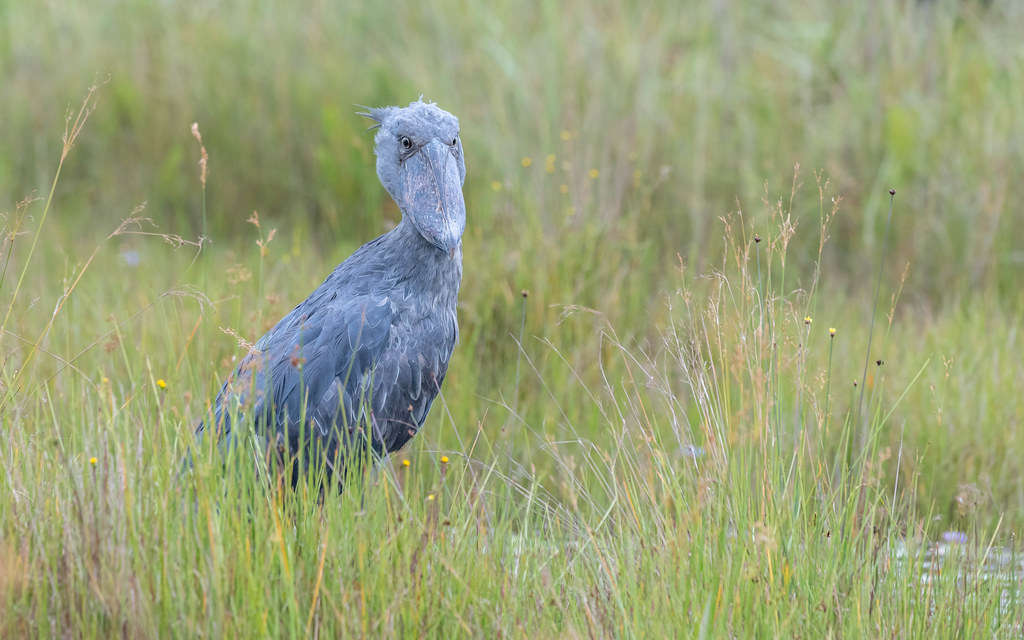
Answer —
(455, 140)
(405, 142)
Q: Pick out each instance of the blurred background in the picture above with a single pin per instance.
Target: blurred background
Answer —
(605, 142)
(636, 123)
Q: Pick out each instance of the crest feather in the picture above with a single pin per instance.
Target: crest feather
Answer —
(377, 114)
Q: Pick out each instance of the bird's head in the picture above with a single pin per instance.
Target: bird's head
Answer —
(420, 163)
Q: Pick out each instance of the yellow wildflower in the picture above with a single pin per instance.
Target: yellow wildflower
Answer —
(444, 459)
(161, 383)
(406, 463)
(526, 162)
(92, 460)
(808, 320)
(831, 332)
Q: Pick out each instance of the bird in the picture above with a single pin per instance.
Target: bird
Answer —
(356, 366)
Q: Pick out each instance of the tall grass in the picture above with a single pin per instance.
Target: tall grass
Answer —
(664, 435)
(693, 481)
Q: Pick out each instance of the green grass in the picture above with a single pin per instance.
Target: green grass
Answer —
(622, 160)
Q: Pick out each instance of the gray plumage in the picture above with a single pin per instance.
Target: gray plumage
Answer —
(365, 354)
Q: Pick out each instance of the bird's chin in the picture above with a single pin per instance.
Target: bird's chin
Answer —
(449, 242)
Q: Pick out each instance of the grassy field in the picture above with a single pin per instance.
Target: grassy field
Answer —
(741, 398)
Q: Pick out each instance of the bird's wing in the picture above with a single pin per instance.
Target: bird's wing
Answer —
(299, 363)
(390, 394)
(408, 377)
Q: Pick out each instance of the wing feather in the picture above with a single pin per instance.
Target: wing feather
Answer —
(362, 354)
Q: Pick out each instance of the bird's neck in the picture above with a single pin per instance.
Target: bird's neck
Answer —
(427, 263)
